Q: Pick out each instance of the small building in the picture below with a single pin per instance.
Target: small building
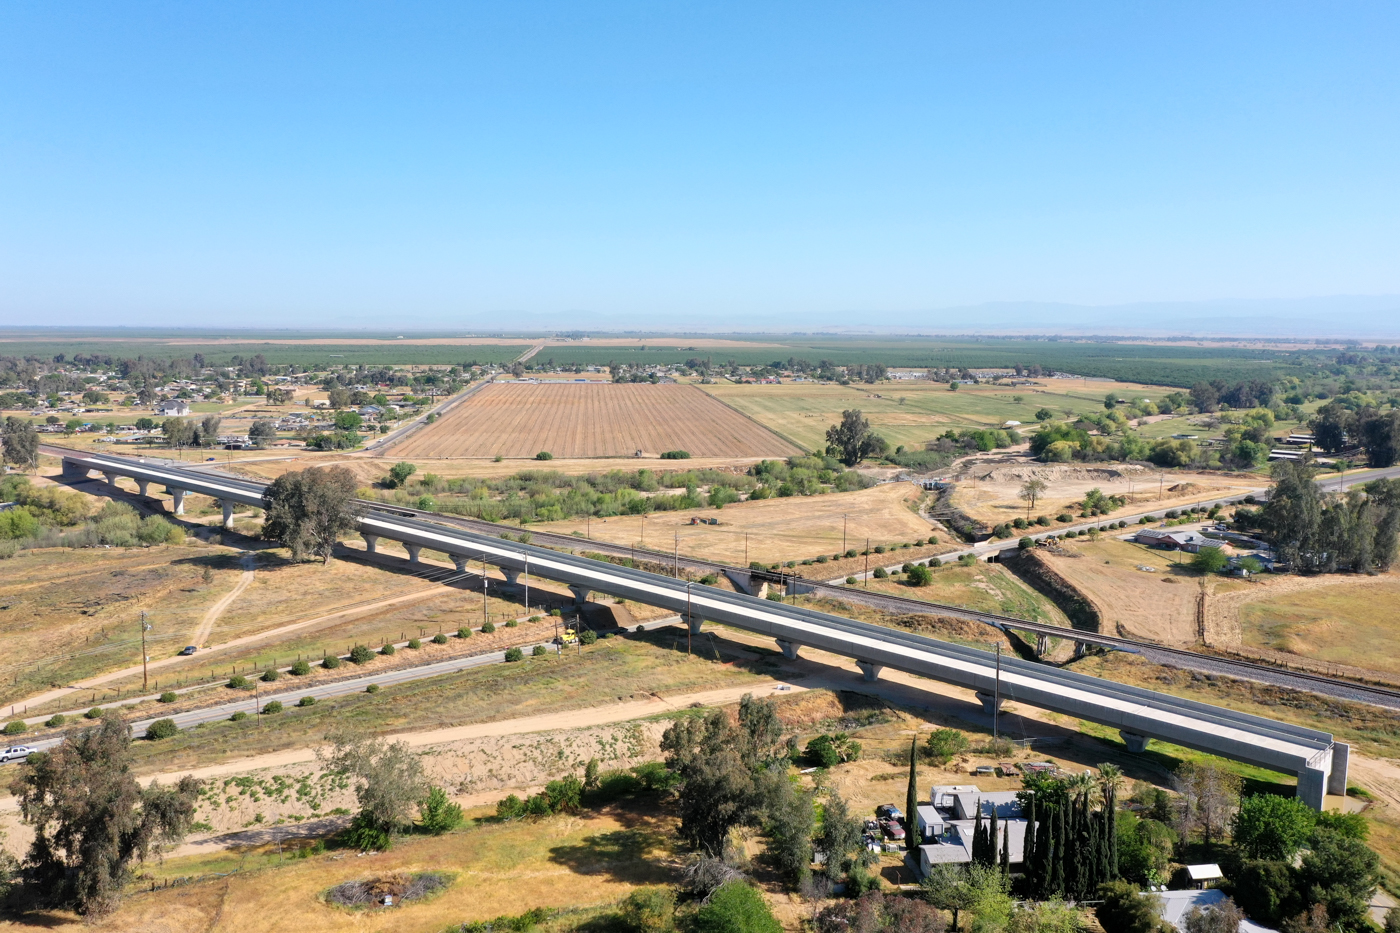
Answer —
(931, 823)
(1189, 541)
(173, 408)
(1202, 876)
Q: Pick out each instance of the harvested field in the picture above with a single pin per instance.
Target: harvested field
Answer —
(1340, 619)
(771, 530)
(592, 420)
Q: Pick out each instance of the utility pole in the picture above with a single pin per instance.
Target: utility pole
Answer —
(527, 584)
(485, 616)
(996, 709)
(688, 618)
(644, 531)
(843, 533)
(676, 558)
(867, 563)
(588, 525)
(746, 549)
(144, 625)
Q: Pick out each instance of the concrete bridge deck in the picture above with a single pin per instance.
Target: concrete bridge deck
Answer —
(1140, 715)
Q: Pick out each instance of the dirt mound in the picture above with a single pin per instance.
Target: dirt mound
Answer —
(1055, 473)
(1186, 489)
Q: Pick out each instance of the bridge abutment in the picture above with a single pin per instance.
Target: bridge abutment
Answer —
(74, 470)
(1312, 787)
(1337, 774)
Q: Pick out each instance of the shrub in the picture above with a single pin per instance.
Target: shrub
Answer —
(649, 910)
(439, 814)
(709, 579)
(330, 662)
(238, 682)
(920, 575)
(301, 668)
(439, 639)
(388, 649)
(544, 455)
(306, 701)
(935, 562)
(162, 729)
(852, 553)
(238, 716)
(879, 549)
(270, 675)
(94, 713)
(823, 559)
(168, 697)
(414, 644)
(510, 808)
(275, 706)
(361, 654)
(1071, 534)
(1042, 520)
(512, 623)
(372, 688)
(880, 573)
(588, 636)
(56, 720)
(514, 654)
(488, 627)
(675, 455)
(735, 908)
(1026, 543)
(557, 613)
(1064, 517)
(539, 651)
(464, 632)
(967, 560)
(850, 581)
(18, 727)
(946, 744)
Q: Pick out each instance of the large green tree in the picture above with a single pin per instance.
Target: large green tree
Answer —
(1272, 828)
(388, 779)
(92, 820)
(853, 440)
(21, 442)
(308, 510)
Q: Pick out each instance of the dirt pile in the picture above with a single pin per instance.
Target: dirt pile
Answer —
(397, 888)
(1056, 473)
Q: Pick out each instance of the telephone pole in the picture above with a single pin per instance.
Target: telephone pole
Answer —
(996, 708)
(144, 625)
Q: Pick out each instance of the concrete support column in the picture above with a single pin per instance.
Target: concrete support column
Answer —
(111, 479)
(1079, 649)
(512, 576)
(1042, 644)
(74, 470)
(1312, 787)
(1337, 775)
(460, 563)
(371, 542)
(991, 703)
(695, 623)
(228, 513)
(178, 495)
(1137, 744)
(870, 669)
(413, 551)
(580, 593)
(789, 649)
(142, 486)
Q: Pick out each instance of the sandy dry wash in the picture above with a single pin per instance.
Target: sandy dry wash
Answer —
(592, 420)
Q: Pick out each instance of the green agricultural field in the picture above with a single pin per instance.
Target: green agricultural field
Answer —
(913, 414)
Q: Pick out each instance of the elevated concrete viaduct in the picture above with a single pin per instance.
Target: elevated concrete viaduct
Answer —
(1139, 715)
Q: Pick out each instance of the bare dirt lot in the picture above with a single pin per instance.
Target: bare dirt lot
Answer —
(795, 528)
(592, 420)
(990, 489)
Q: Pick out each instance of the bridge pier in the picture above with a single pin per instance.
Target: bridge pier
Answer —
(512, 577)
(371, 542)
(1137, 744)
(580, 593)
(789, 649)
(111, 479)
(178, 497)
(695, 623)
(1080, 648)
(459, 562)
(1042, 644)
(1337, 775)
(413, 551)
(991, 703)
(1312, 787)
(871, 670)
(227, 505)
(142, 486)
(74, 470)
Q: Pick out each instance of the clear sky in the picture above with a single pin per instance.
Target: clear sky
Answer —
(672, 164)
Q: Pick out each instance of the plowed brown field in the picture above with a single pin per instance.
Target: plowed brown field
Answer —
(590, 420)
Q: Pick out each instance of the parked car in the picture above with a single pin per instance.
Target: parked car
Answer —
(893, 829)
(15, 753)
(188, 650)
(888, 811)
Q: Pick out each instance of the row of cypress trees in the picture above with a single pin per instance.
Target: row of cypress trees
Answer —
(1071, 845)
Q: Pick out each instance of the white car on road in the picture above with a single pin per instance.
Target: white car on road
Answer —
(15, 753)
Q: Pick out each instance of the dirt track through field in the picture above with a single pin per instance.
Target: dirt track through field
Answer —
(592, 420)
(206, 624)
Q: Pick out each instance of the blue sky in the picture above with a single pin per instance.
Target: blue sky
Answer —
(685, 165)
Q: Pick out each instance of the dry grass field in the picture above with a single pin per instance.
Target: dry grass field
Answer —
(989, 487)
(982, 588)
(912, 413)
(1343, 622)
(775, 530)
(576, 420)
